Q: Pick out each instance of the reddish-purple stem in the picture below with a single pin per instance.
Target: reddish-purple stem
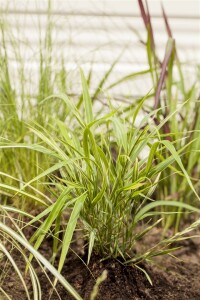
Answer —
(162, 76)
(143, 13)
(169, 32)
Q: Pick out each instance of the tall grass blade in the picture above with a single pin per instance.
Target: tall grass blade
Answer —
(168, 53)
(70, 229)
(87, 100)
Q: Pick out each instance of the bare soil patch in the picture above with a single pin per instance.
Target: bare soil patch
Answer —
(172, 278)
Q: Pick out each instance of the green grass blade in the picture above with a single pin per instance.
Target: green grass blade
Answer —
(45, 226)
(86, 99)
(173, 151)
(45, 173)
(91, 245)
(70, 229)
(141, 214)
(121, 133)
(127, 77)
(18, 191)
(105, 77)
(151, 157)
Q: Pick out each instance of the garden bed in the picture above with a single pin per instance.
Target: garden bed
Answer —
(172, 278)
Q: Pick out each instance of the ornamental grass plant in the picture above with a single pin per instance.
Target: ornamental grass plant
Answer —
(109, 174)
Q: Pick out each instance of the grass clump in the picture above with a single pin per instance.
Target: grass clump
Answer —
(104, 173)
(109, 170)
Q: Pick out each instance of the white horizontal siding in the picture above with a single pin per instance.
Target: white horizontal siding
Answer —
(174, 8)
(98, 31)
(79, 22)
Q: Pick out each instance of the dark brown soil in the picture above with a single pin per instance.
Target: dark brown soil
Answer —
(179, 281)
(172, 278)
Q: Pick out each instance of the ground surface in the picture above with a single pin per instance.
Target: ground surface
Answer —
(172, 278)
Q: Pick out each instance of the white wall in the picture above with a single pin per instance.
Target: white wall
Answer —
(98, 31)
